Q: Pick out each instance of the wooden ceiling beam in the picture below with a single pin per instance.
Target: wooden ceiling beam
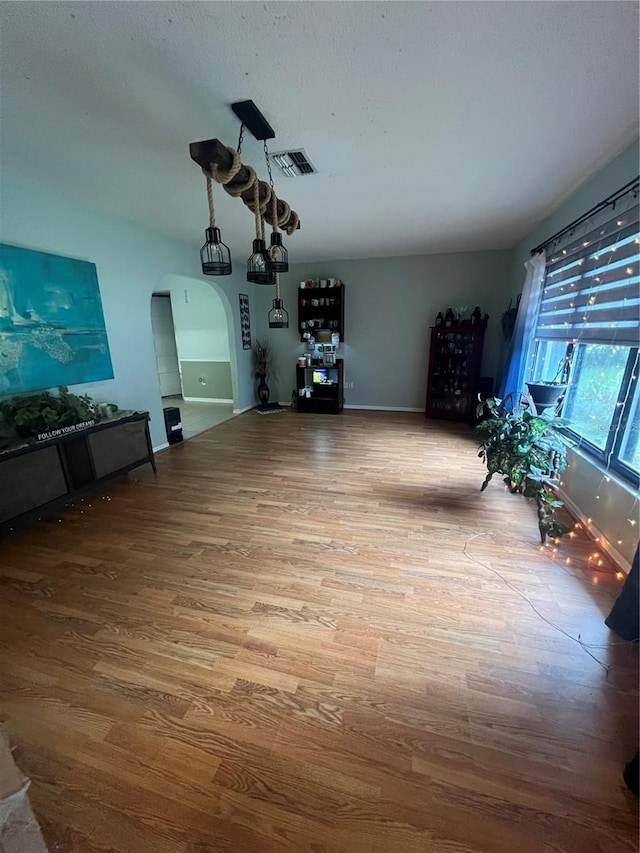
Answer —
(213, 151)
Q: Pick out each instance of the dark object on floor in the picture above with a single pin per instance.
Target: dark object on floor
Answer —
(630, 775)
(173, 424)
(269, 409)
(624, 618)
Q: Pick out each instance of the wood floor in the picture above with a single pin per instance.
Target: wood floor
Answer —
(295, 639)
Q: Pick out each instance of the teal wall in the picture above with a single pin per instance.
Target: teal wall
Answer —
(390, 305)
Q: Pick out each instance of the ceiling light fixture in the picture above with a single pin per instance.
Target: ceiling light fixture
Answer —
(259, 269)
(277, 252)
(215, 256)
(221, 163)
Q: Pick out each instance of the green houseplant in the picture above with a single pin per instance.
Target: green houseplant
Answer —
(530, 452)
(32, 414)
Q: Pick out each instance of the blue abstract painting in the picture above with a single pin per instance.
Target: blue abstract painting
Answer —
(52, 328)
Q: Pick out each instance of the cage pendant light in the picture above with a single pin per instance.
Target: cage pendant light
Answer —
(259, 269)
(215, 256)
(278, 316)
(277, 252)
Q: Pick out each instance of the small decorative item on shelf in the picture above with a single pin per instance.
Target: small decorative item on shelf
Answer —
(439, 319)
(449, 318)
(476, 317)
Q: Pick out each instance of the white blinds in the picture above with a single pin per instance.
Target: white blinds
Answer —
(592, 287)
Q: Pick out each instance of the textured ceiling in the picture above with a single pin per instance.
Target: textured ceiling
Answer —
(434, 126)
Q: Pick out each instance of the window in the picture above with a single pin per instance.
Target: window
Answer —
(588, 327)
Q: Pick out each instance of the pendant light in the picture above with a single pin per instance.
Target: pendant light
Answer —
(259, 270)
(278, 316)
(215, 256)
(278, 253)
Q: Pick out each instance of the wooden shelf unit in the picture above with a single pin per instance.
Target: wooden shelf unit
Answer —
(330, 310)
(325, 398)
(455, 356)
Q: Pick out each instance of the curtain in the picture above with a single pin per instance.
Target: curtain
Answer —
(522, 339)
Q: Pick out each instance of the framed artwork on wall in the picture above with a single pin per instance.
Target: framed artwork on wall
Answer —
(52, 329)
(245, 321)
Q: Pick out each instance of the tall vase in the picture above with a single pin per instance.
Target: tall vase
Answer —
(263, 389)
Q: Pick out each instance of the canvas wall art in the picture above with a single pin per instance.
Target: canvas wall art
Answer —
(245, 322)
(52, 329)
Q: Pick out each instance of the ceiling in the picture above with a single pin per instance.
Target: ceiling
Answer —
(450, 126)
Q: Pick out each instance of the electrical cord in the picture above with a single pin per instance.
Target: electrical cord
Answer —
(584, 646)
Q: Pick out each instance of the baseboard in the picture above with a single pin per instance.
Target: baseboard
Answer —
(246, 409)
(161, 447)
(207, 400)
(385, 408)
(280, 403)
(619, 559)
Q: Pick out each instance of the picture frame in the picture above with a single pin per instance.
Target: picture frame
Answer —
(245, 321)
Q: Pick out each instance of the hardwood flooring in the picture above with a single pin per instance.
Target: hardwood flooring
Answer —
(299, 637)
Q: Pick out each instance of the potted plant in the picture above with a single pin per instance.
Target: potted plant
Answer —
(29, 415)
(263, 357)
(530, 451)
(549, 393)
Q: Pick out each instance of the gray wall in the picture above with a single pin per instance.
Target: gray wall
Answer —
(390, 305)
(583, 480)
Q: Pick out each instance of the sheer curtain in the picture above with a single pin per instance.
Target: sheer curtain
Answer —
(522, 339)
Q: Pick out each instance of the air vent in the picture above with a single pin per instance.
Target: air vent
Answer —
(294, 164)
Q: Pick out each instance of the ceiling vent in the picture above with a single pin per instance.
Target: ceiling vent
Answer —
(294, 164)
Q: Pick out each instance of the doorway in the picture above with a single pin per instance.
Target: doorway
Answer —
(164, 341)
(194, 353)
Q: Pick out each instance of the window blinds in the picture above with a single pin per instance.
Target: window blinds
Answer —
(592, 287)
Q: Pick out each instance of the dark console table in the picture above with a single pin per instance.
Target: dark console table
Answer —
(35, 478)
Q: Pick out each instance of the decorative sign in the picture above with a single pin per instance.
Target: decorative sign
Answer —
(245, 322)
(52, 329)
(56, 433)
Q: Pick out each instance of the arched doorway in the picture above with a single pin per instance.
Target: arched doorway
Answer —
(196, 370)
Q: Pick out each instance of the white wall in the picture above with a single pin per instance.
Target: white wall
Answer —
(164, 343)
(390, 304)
(200, 320)
(131, 262)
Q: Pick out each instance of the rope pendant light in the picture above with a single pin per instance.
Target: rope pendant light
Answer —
(277, 252)
(278, 316)
(259, 270)
(215, 256)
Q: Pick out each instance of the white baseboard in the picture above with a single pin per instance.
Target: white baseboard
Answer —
(620, 560)
(161, 447)
(246, 409)
(385, 408)
(207, 400)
